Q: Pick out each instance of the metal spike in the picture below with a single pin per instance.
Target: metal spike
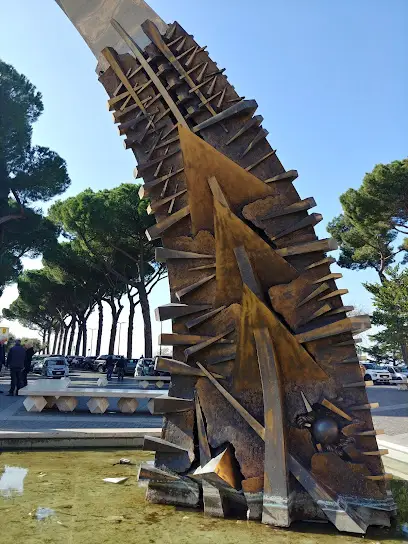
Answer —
(201, 74)
(307, 404)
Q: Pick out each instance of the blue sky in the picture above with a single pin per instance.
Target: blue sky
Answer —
(330, 78)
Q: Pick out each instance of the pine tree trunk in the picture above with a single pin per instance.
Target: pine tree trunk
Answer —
(144, 303)
(79, 338)
(64, 343)
(55, 343)
(44, 334)
(71, 336)
(132, 307)
(100, 329)
(404, 351)
(60, 339)
(47, 347)
(84, 338)
(115, 318)
(114, 327)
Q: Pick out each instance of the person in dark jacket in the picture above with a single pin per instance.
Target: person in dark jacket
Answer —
(110, 365)
(120, 368)
(15, 362)
(27, 362)
(2, 357)
(2, 354)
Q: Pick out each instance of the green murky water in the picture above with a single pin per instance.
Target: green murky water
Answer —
(60, 497)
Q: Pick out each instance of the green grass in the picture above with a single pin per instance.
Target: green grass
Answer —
(400, 492)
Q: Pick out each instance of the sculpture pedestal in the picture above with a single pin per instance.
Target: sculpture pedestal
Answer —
(35, 404)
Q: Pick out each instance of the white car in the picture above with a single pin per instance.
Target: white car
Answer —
(396, 376)
(376, 374)
(55, 367)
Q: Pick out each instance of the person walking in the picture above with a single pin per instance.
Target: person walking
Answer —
(2, 354)
(2, 357)
(27, 362)
(15, 362)
(120, 368)
(110, 365)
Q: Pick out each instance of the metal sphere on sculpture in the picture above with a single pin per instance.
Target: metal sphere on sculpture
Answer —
(325, 430)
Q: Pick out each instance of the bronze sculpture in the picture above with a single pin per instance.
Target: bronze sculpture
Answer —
(267, 414)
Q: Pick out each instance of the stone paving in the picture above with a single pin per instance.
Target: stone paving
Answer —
(392, 415)
(14, 417)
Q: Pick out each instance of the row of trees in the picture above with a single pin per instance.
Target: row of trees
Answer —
(106, 257)
(94, 247)
(371, 234)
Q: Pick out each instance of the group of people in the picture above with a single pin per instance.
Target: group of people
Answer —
(19, 362)
(110, 367)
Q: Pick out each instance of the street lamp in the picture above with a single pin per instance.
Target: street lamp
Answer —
(120, 328)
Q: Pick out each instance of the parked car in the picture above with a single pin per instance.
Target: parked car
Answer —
(38, 366)
(396, 375)
(37, 359)
(77, 361)
(146, 367)
(376, 374)
(87, 362)
(55, 367)
(99, 365)
(130, 367)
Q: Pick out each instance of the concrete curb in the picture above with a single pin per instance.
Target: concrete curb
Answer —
(77, 438)
(396, 461)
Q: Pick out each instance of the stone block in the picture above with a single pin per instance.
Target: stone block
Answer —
(127, 406)
(51, 401)
(35, 404)
(97, 405)
(66, 404)
(184, 493)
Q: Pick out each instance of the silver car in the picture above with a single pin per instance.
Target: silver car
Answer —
(55, 367)
(396, 376)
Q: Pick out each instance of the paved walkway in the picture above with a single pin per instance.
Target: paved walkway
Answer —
(392, 415)
(392, 418)
(14, 417)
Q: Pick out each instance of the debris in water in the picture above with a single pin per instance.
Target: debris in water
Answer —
(115, 480)
(12, 481)
(124, 461)
(116, 519)
(44, 513)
